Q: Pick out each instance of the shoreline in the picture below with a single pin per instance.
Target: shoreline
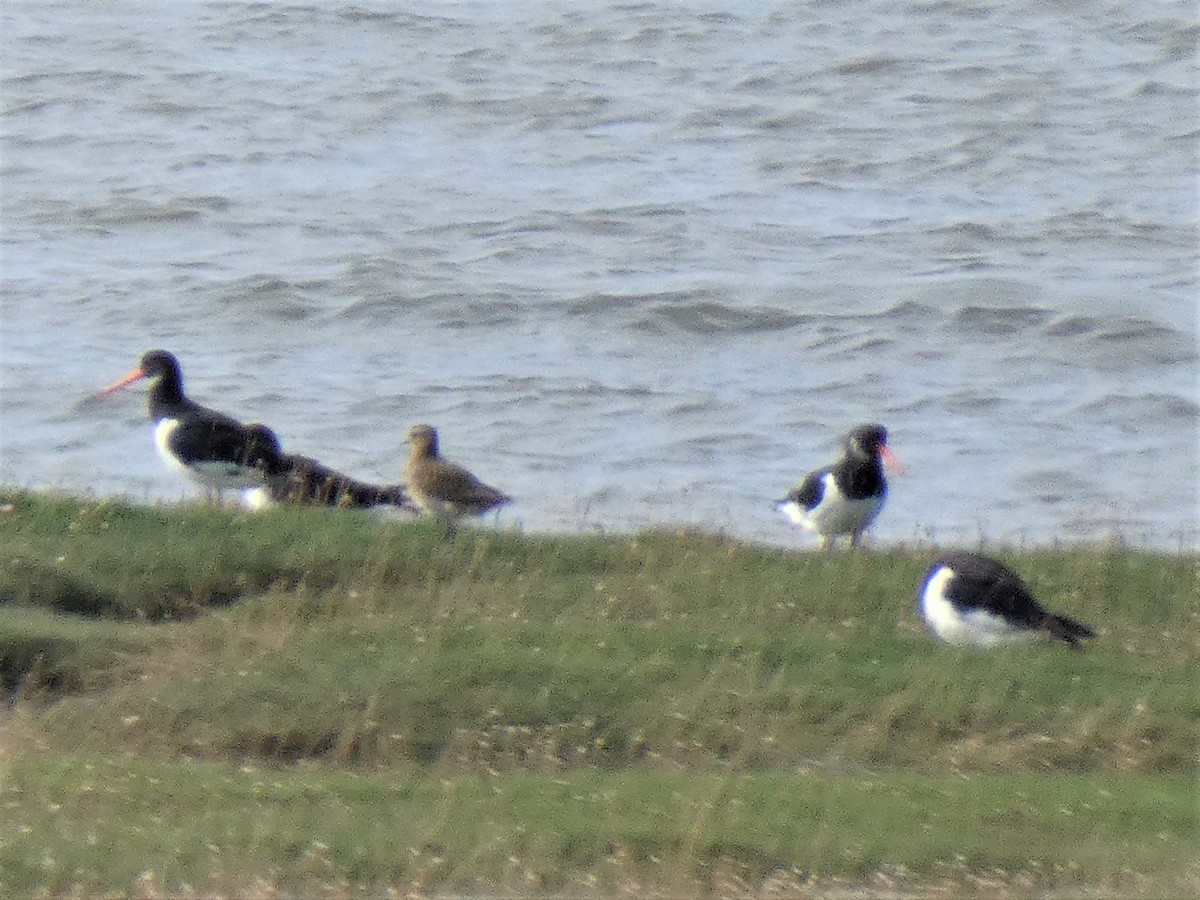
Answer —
(1175, 542)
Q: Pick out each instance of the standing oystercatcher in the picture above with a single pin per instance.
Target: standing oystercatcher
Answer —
(844, 498)
(303, 481)
(973, 600)
(441, 488)
(210, 447)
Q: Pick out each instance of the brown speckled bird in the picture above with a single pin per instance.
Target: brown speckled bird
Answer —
(441, 488)
(303, 481)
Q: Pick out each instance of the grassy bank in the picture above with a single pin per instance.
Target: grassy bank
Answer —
(310, 700)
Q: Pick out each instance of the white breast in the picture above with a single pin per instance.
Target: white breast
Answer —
(971, 627)
(836, 513)
(222, 475)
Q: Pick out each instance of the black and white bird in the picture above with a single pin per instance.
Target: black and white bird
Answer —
(213, 449)
(844, 498)
(968, 599)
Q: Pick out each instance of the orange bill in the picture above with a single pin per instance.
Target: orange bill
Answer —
(890, 460)
(127, 379)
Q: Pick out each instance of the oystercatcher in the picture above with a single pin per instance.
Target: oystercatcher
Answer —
(212, 448)
(972, 600)
(302, 480)
(844, 498)
(441, 488)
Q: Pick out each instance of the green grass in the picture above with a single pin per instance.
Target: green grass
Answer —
(83, 823)
(312, 700)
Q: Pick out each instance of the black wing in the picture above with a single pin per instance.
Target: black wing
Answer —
(983, 583)
(211, 440)
(810, 491)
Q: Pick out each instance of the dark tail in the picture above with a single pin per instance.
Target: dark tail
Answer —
(1068, 630)
(395, 495)
(308, 482)
(346, 492)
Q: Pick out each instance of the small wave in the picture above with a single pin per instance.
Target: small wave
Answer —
(601, 305)
(1150, 408)
(686, 311)
(1138, 342)
(1053, 486)
(872, 345)
(479, 310)
(693, 405)
(871, 64)
(1072, 326)
(996, 320)
(1094, 224)
(604, 305)
(449, 309)
(974, 401)
(955, 294)
(710, 317)
(907, 311)
(275, 299)
(976, 231)
(375, 307)
(136, 211)
(723, 117)
(621, 220)
(1123, 341)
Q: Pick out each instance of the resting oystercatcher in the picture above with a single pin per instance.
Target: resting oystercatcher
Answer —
(212, 448)
(844, 498)
(304, 481)
(441, 488)
(972, 600)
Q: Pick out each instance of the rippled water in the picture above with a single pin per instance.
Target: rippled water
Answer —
(640, 262)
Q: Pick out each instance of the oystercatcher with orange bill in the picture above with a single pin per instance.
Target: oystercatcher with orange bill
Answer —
(211, 448)
(972, 600)
(844, 498)
(441, 488)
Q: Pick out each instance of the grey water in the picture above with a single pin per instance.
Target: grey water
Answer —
(640, 262)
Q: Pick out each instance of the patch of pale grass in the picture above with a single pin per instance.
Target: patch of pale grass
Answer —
(619, 877)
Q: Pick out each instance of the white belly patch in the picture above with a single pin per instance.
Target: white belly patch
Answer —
(964, 628)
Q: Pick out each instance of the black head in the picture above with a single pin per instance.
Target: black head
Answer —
(263, 451)
(866, 440)
(159, 363)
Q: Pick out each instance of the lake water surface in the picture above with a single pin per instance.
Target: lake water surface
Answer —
(641, 263)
